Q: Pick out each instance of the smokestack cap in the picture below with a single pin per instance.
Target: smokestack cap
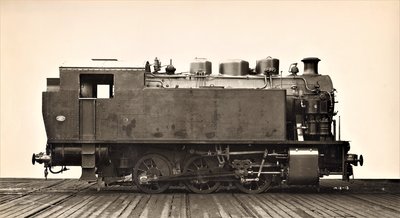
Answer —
(311, 59)
(310, 65)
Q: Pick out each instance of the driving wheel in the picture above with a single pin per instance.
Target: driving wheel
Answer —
(255, 187)
(199, 166)
(148, 170)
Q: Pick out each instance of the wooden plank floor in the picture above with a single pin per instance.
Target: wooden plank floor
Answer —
(73, 198)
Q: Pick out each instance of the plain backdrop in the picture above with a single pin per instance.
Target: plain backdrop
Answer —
(357, 41)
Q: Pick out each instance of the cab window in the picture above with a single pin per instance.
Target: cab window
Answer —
(96, 86)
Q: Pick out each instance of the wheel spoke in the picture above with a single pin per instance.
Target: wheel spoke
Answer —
(151, 163)
(196, 165)
(142, 170)
(144, 163)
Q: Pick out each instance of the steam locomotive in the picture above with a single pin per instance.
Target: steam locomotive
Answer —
(252, 128)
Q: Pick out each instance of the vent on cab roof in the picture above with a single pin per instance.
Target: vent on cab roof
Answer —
(104, 59)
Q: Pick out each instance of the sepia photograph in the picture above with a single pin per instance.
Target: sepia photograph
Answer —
(194, 108)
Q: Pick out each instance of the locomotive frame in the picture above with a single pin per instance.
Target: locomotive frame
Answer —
(250, 128)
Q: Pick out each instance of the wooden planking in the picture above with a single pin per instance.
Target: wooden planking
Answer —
(179, 206)
(61, 210)
(74, 198)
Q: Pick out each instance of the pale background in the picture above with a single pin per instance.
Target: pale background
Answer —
(357, 41)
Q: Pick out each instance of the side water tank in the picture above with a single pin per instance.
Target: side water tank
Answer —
(200, 65)
(268, 66)
(234, 67)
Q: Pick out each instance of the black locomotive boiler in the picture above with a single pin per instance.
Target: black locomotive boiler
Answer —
(253, 128)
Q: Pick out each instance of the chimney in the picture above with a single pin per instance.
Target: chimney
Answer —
(310, 66)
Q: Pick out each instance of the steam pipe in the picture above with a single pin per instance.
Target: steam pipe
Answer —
(60, 171)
